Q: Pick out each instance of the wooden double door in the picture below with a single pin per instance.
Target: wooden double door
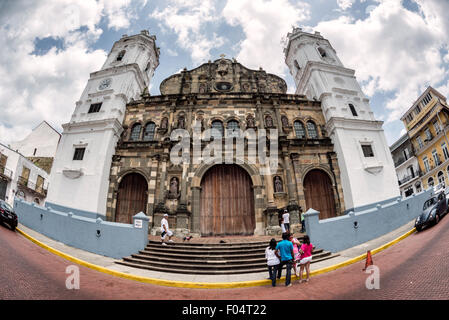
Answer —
(227, 202)
(131, 198)
(319, 193)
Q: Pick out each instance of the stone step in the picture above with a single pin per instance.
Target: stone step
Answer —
(205, 250)
(222, 247)
(181, 269)
(189, 256)
(231, 244)
(260, 259)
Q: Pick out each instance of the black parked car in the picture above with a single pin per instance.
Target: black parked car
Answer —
(7, 215)
(433, 209)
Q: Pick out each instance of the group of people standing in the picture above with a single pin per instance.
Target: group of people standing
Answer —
(291, 253)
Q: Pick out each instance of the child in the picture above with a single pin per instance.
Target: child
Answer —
(305, 258)
(272, 262)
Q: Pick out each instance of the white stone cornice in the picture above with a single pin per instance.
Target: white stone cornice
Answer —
(92, 125)
(320, 66)
(353, 124)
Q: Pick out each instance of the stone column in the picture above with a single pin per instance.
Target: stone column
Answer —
(293, 207)
(196, 198)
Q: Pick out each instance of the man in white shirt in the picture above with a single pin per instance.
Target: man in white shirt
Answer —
(286, 219)
(165, 230)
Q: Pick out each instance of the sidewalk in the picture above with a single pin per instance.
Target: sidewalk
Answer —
(109, 263)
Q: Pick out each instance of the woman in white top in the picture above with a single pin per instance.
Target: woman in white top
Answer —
(273, 262)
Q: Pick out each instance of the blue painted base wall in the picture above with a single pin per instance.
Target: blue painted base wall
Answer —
(77, 212)
(110, 239)
(373, 221)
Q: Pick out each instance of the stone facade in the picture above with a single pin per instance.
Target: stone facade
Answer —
(224, 91)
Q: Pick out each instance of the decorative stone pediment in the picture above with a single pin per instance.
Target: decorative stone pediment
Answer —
(222, 76)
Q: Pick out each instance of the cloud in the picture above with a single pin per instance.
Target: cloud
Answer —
(45, 87)
(345, 4)
(393, 50)
(264, 23)
(190, 21)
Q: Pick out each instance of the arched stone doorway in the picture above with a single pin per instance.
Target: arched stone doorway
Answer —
(319, 194)
(131, 197)
(227, 202)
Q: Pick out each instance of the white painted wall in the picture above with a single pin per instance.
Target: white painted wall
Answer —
(41, 142)
(364, 179)
(83, 184)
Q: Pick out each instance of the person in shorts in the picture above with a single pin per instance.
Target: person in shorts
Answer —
(286, 219)
(305, 258)
(165, 231)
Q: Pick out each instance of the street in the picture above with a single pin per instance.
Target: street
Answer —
(415, 268)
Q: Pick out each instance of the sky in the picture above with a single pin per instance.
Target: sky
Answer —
(49, 48)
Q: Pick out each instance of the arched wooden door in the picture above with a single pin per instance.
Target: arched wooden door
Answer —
(131, 198)
(319, 194)
(227, 202)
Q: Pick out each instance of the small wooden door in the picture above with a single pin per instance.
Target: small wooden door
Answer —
(319, 194)
(131, 198)
(227, 202)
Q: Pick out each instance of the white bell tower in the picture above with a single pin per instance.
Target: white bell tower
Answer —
(367, 169)
(80, 173)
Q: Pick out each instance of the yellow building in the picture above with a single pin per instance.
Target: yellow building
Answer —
(427, 124)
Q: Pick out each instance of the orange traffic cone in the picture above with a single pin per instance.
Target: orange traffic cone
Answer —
(369, 260)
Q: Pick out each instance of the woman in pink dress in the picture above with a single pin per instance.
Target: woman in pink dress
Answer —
(305, 258)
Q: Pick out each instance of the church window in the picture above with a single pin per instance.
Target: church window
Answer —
(284, 121)
(299, 130)
(322, 52)
(367, 150)
(95, 107)
(269, 121)
(354, 113)
(233, 129)
(121, 55)
(217, 129)
(311, 130)
(79, 153)
(430, 182)
(149, 132)
(135, 132)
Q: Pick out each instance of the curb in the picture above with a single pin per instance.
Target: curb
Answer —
(204, 285)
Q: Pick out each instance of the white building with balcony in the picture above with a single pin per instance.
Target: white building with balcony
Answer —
(407, 167)
(21, 177)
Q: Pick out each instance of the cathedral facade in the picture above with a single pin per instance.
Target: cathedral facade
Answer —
(223, 198)
(116, 154)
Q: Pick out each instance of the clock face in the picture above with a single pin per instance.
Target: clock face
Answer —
(104, 84)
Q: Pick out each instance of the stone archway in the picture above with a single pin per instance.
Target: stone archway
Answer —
(319, 193)
(132, 196)
(227, 202)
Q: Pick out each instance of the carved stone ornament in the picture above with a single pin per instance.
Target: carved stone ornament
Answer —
(72, 173)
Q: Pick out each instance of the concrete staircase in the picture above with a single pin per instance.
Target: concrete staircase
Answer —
(197, 258)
